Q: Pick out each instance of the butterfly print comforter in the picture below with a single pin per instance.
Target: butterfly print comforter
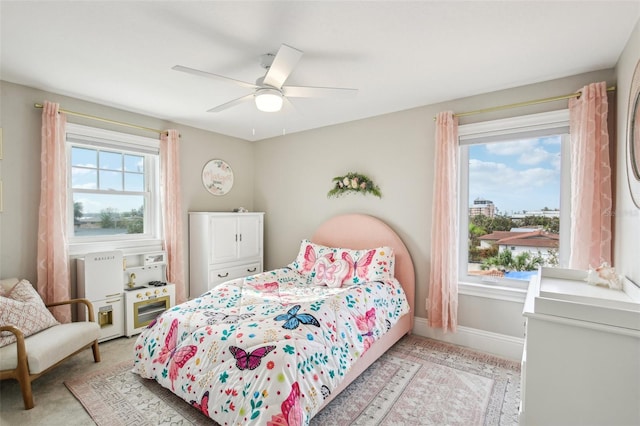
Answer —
(266, 349)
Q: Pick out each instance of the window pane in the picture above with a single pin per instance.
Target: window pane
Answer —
(82, 178)
(110, 160)
(84, 157)
(514, 207)
(133, 163)
(110, 180)
(134, 182)
(100, 214)
(113, 188)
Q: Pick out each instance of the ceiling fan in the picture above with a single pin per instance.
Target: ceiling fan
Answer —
(269, 91)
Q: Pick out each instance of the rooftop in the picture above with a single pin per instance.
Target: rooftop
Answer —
(537, 238)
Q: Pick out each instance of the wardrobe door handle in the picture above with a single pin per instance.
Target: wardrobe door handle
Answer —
(223, 276)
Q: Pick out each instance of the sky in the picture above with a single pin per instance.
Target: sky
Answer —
(116, 172)
(516, 175)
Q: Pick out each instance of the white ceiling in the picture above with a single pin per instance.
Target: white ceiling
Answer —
(398, 54)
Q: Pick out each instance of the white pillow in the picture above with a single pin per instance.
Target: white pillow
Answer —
(331, 274)
(23, 308)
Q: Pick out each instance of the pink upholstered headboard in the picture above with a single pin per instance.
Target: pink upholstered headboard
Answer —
(359, 231)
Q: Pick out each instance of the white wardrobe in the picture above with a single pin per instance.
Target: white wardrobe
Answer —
(223, 246)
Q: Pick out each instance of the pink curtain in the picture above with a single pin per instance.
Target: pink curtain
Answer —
(443, 278)
(53, 264)
(172, 211)
(591, 201)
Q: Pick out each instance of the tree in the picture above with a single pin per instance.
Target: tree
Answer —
(504, 261)
(552, 259)
(108, 218)
(135, 221)
(491, 224)
(475, 232)
(135, 225)
(77, 212)
(549, 224)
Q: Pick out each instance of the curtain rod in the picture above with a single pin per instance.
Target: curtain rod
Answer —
(525, 103)
(106, 120)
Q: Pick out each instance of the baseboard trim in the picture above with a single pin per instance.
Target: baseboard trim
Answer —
(485, 341)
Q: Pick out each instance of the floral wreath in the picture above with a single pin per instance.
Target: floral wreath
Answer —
(353, 182)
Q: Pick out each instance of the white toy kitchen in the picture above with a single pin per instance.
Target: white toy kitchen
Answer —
(127, 291)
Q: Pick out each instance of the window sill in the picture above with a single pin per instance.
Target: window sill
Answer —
(127, 246)
(492, 292)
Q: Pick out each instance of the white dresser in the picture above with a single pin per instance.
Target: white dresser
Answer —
(581, 360)
(223, 246)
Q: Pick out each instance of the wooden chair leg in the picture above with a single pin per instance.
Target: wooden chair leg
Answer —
(96, 351)
(25, 386)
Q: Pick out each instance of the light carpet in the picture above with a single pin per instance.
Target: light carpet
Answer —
(417, 382)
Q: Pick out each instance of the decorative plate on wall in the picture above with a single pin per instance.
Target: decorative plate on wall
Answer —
(217, 177)
(633, 137)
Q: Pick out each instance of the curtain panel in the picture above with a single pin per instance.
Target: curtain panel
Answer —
(172, 211)
(591, 200)
(443, 277)
(52, 259)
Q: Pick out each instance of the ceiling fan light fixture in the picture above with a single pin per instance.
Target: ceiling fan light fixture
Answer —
(268, 100)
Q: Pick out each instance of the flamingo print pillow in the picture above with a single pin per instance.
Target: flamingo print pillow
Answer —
(324, 265)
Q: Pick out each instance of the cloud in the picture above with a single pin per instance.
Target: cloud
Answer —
(529, 152)
(539, 155)
(551, 140)
(90, 185)
(517, 175)
(518, 147)
(491, 179)
(76, 171)
(500, 175)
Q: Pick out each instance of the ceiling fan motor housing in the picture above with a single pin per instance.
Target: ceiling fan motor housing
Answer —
(266, 60)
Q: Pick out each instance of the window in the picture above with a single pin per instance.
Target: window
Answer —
(113, 187)
(514, 194)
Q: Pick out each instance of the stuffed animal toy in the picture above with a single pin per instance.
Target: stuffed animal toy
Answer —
(604, 275)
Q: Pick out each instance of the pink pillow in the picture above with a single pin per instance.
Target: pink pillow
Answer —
(331, 274)
(368, 265)
(23, 308)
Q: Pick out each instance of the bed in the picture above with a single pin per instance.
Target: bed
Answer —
(276, 347)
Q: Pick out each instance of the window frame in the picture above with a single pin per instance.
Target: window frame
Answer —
(149, 148)
(526, 126)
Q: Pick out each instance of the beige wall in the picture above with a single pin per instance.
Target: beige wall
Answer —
(288, 177)
(20, 168)
(396, 152)
(627, 218)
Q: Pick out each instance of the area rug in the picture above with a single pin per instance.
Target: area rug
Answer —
(417, 382)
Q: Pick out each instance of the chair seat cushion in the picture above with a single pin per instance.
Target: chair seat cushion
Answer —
(49, 346)
(23, 308)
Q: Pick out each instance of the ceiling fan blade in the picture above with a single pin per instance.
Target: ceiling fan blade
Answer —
(318, 92)
(286, 59)
(214, 76)
(231, 104)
